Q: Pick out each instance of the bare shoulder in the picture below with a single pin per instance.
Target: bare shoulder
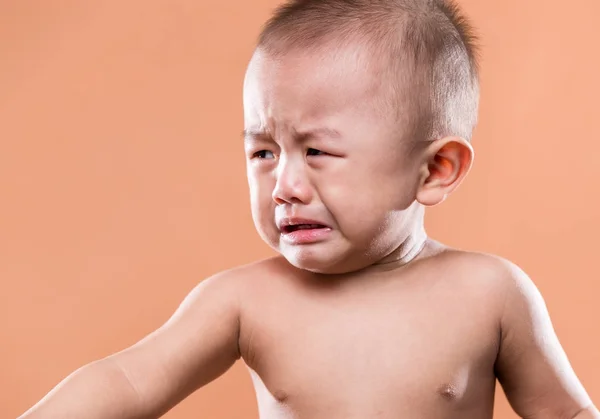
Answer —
(502, 277)
(197, 344)
(530, 364)
(240, 281)
(221, 295)
(250, 274)
(485, 266)
(232, 278)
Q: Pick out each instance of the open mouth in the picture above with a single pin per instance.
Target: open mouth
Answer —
(295, 227)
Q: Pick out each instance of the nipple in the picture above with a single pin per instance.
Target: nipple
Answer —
(448, 392)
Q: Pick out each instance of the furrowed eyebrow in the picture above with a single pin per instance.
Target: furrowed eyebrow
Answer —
(248, 133)
(317, 132)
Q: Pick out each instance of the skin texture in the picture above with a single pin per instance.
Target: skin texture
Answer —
(374, 320)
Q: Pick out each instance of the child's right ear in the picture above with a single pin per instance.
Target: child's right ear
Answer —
(447, 161)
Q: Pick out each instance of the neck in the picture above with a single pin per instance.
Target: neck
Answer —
(415, 245)
(408, 250)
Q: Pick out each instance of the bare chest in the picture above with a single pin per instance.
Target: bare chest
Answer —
(373, 356)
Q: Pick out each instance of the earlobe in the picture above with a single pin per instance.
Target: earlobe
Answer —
(447, 162)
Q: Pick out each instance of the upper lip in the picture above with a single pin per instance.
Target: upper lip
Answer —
(288, 221)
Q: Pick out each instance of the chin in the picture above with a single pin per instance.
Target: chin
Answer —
(317, 260)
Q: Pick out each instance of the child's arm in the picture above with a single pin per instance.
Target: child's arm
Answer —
(532, 366)
(195, 346)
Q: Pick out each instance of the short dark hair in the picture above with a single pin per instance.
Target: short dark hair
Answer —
(429, 47)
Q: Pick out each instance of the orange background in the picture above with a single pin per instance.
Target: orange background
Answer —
(122, 178)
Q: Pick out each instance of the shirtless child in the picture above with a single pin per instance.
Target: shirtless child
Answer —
(358, 115)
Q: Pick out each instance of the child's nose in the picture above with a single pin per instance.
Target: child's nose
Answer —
(292, 184)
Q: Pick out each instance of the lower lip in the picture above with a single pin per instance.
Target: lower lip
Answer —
(306, 236)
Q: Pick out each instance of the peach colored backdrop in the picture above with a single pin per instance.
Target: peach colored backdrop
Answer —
(122, 179)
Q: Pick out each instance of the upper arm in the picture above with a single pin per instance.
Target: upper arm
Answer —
(195, 346)
(532, 367)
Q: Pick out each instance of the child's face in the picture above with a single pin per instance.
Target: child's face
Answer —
(318, 147)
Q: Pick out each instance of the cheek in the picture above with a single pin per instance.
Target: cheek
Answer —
(366, 192)
(361, 178)
(354, 202)
(261, 201)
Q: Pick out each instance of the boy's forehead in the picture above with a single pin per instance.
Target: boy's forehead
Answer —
(319, 78)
